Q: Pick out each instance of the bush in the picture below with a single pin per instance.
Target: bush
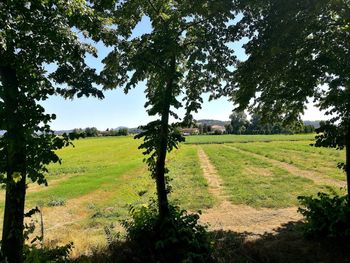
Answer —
(327, 215)
(179, 239)
(43, 255)
(56, 202)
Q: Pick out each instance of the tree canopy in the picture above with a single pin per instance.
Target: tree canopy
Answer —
(186, 53)
(297, 51)
(41, 54)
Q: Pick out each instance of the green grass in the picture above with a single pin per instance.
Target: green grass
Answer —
(114, 167)
(254, 182)
(322, 161)
(103, 176)
(93, 164)
(208, 139)
(190, 189)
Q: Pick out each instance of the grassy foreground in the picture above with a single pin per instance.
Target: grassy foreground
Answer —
(257, 182)
(101, 177)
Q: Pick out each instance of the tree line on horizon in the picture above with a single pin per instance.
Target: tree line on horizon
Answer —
(239, 124)
(94, 132)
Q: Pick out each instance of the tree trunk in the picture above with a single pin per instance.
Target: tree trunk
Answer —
(163, 204)
(12, 236)
(347, 162)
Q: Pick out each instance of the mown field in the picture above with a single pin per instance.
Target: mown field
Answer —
(101, 177)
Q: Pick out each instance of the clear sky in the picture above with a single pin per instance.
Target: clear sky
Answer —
(118, 109)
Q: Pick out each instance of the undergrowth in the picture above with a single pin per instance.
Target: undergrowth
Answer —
(327, 215)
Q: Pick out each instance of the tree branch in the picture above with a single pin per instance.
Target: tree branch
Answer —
(155, 10)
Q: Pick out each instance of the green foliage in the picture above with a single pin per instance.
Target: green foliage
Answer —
(291, 51)
(53, 201)
(239, 122)
(91, 132)
(327, 215)
(59, 254)
(297, 50)
(41, 54)
(27, 44)
(179, 238)
(204, 128)
(330, 135)
(333, 135)
(122, 132)
(151, 143)
(186, 53)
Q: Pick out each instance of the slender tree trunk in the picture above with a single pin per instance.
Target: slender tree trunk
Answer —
(163, 204)
(12, 236)
(347, 163)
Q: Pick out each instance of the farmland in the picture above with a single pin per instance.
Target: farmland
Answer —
(259, 176)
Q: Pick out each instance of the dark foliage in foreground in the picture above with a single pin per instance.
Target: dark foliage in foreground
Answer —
(41, 255)
(179, 238)
(287, 244)
(326, 215)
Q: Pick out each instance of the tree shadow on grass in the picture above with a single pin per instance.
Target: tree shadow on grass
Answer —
(287, 244)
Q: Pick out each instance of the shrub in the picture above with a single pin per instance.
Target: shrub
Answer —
(60, 254)
(56, 202)
(179, 239)
(326, 215)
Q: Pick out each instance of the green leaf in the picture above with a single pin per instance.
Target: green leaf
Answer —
(16, 177)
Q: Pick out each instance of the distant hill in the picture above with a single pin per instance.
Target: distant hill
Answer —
(316, 124)
(212, 122)
(120, 128)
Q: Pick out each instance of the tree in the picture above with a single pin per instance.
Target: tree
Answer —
(33, 36)
(123, 132)
(309, 129)
(186, 52)
(91, 132)
(78, 132)
(239, 122)
(228, 128)
(298, 50)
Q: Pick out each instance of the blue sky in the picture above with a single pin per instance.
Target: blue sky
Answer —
(118, 109)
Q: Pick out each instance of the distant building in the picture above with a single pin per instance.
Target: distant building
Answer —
(189, 131)
(218, 128)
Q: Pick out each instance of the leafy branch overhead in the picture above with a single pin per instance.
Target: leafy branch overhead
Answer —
(185, 54)
(298, 51)
(42, 53)
(192, 35)
(31, 47)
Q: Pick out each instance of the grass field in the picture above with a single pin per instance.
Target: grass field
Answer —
(217, 139)
(100, 177)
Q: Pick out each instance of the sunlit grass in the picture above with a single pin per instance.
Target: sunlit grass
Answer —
(190, 189)
(257, 183)
(207, 139)
(323, 161)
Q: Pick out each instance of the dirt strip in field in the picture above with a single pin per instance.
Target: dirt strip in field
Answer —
(240, 218)
(293, 169)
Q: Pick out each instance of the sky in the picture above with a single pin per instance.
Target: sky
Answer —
(119, 109)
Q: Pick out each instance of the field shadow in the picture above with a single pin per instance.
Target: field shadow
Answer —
(287, 244)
